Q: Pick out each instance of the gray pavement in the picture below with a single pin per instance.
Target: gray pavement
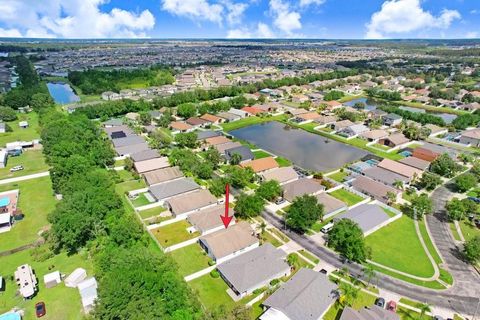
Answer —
(458, 300)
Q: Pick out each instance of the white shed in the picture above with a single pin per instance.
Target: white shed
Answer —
(77, 276)
(52, 279)
(88, 292)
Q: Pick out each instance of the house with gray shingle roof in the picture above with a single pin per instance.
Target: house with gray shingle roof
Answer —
(254, 269)
(369, 217)
(172, 188)
(306, 296)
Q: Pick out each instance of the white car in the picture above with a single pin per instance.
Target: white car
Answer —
(16, 168)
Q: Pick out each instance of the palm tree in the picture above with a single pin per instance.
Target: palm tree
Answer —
(343, 272)
(263, 226)
(398, 184)
(369, 273)
(292, 260)
(349, 293)
(424, 308)
(391, 197)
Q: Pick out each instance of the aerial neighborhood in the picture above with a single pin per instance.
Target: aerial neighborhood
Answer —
(327, 180)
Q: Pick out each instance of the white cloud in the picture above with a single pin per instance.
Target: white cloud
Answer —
(405, 16)
(306, 3)
(9, 33)
(285, 18)
(262, 31)
(235, 11)
(73, 19)
(472, 35)
(194, 9)
(474, 11)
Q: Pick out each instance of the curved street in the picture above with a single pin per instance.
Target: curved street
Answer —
(455, 298)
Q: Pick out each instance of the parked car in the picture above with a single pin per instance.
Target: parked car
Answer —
(392, 306)
(474, 199)
(380, 302)
(279, 201)
(326, 228)
(16, 168)
(323, 271)
(40, 309)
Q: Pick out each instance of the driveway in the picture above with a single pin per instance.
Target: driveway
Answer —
(453, 298)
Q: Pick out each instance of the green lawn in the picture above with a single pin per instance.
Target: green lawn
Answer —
(173, 233)
(428, 242)
(279, 234)
(36, 201)
(32, 161)
(474, 193)
(346, 196)
(61, 302)
(259, 154)
(151, 212)
(267, 237)
(140, 201)
(119, 163)
(309, 256)
(125, 175)
(19, 134)
(411, 303)
(407, 314)
(394, 246)
(190, 259)
(469, 230)
(380, 146)
(454, 231)
(131, 185)
(283, 162)
(339, 176)
(212, 292)
(249, 121)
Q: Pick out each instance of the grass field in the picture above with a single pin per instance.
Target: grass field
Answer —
(339, 176)
(428, 242)
(283, 162)
(469, 230)
(190, 259)
(279, 234)
(267, 237)
(259, 154)
(212, 292)
(140, 201)
(346, 196)
(309, 256)
(61, 302)
(394, 244)
(130, 185)
(32, 161)
(151, 212)
(363, 300)
(249, 121)
(19, 134)
(174, 233)
(36, 201)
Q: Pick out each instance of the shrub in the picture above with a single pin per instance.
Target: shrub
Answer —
(274, 282)
(214, 273)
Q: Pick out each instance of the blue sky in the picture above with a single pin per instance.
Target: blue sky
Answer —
(240, 18)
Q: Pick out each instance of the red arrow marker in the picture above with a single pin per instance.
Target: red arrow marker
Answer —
(226, 219)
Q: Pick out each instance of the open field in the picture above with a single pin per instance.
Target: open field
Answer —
(346, 196)
(190, 259)
(61, 302)
(259, 154)
(393, 244)
(212, 291)
(36, 201)
(174, 233)
(19, 134)
(339, 176)
(32, 161)
(469, 230)
(151, 212)
(249, 121)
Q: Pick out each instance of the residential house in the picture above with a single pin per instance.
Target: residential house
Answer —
(245, 153)
(332, 105)
(400, 168)
(331, 205)
(415, 162)
(127, 141)
(225, 146)
(394, 140)
(229, 117)
(392, 120)
(306, 296)
(435, 130)
(282, 175)
(213, 141)
(211, 118)
(145, 155)
(228, 243)
(151, 164)
(369, 217)
(306, 117)
(254, 269)
(471, 107)
(353, 130)
(202, 135)
(253, 110)
(384, 176)
(425, 154)
(260, 165)
(131, 149)
(301, 187)
(182, 205)
(373, 135)
(377, 190)
(241, 113)
(162, 175)
(177, 127)
(296, 112)
(471, 137)
(339, 125)
(167, 190)
(325, 120)
(207, 220)
(197, 122)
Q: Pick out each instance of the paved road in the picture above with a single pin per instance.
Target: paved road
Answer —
(467, 280)
(22, 178)
(450, 299)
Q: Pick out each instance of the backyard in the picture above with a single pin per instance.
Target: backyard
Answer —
(19, 134)
(212, 292)
(190, 259)
(61, 302)
(395, 243)
(32, 161)
(339, 176)
(145, 214)
(173, 233)
(36, 201)
(346, 196)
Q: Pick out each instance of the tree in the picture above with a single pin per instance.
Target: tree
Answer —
(421, 205)
(188, 140)
(471, 250)
(465, 182)
(333, 95)
(424, 308)
(455, 209)
(346, 237)
(213, 157)
(349, 293)
(165, 119)
(391, 197)
(269, 190)
(248, 206)
(235, 159)
(303, 213)
(429, 181)
(369, 273)
(41, 100)
(145, 118)
(217, 187)
(444, 166)
(7, 114)
(186, 110)
(239, 177)
(203, 170)
(159, 139)
(398, 184)
(292, 260)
